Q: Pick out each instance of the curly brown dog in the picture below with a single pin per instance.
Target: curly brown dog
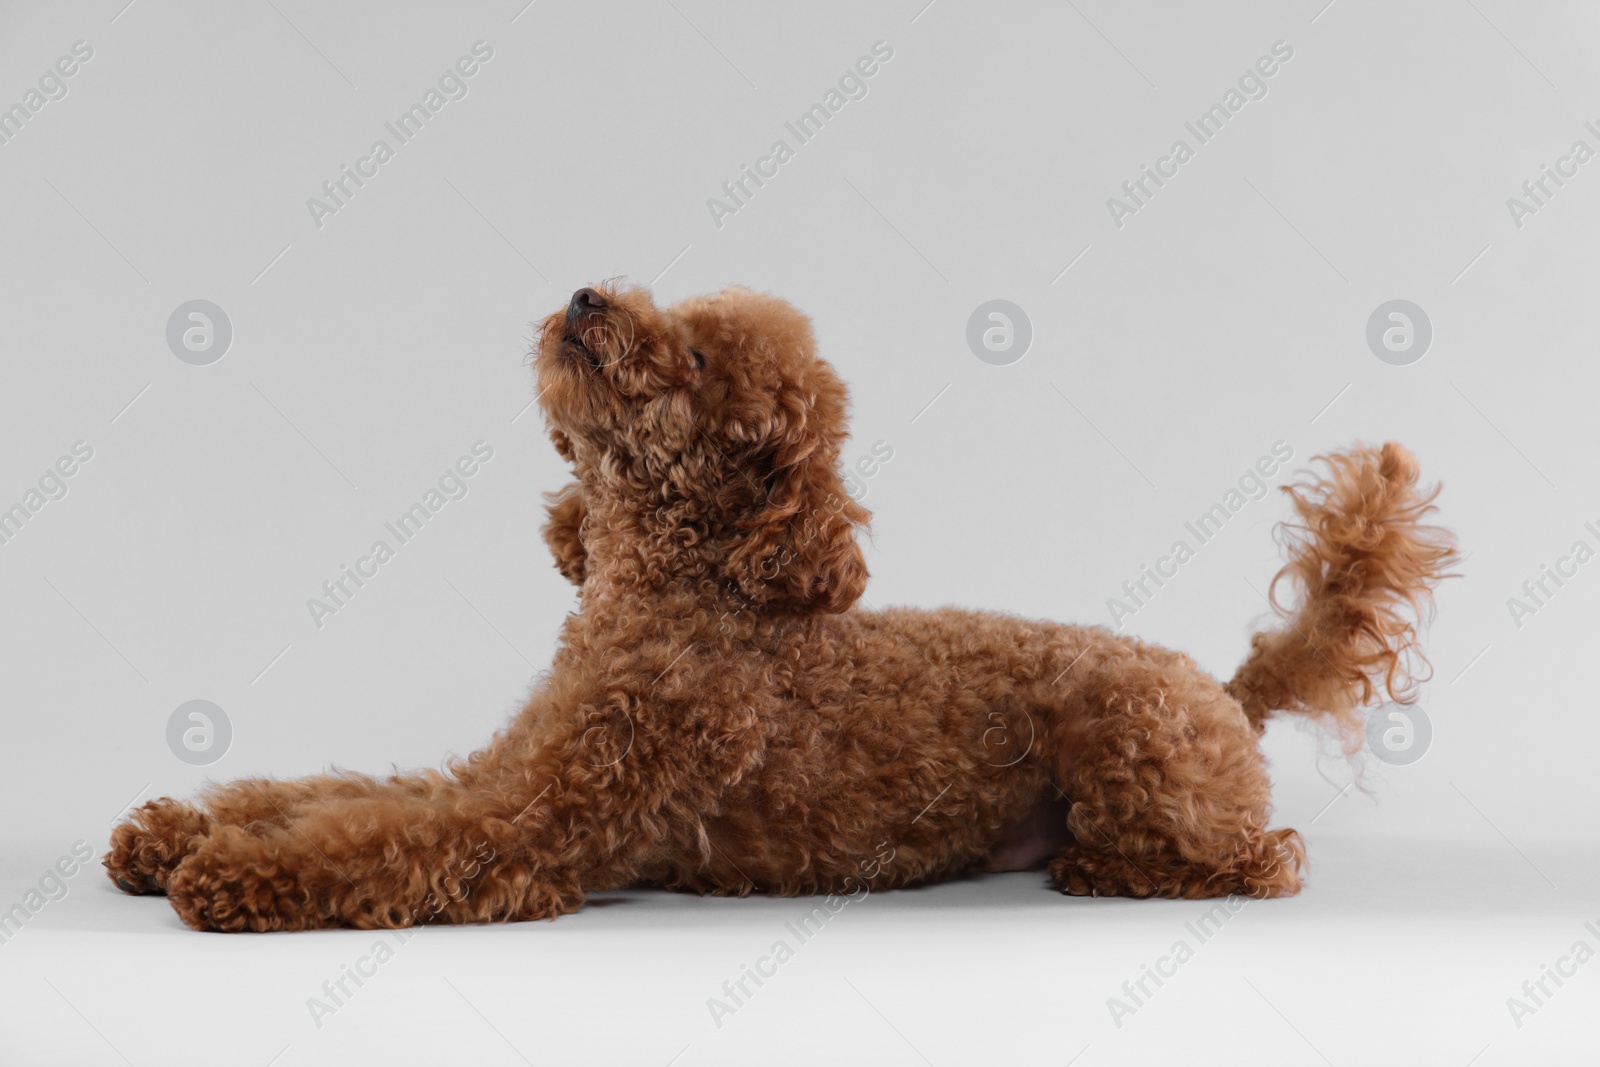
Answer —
(719, 717)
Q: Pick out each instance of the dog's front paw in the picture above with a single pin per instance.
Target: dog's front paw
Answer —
(232, 882)
(147, 845)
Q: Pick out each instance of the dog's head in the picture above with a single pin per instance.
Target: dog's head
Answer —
(720, 426)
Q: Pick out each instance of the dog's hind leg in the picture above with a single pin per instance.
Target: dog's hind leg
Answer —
(1169, 791)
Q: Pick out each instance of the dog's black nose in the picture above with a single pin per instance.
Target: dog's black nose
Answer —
(585, 301)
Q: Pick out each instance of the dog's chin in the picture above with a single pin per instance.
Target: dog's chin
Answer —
(571, 389)
(578, 355)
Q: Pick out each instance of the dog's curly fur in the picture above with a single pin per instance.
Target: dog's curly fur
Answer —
(719, 717)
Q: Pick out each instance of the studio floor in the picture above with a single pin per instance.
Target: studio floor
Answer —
(1398, 952)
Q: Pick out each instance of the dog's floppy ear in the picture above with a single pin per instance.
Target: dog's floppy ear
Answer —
(800, 552)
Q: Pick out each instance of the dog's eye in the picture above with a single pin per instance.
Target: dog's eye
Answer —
(699, 358)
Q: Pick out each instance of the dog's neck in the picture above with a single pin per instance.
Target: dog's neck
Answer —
(646, 541)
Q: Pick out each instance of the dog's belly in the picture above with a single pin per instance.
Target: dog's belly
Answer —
(1034, 838)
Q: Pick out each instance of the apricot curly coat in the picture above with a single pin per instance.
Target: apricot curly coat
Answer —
(719, 717)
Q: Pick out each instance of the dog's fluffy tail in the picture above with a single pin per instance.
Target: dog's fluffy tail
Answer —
(1363, 567)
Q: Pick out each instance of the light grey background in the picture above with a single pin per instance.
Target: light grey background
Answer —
(1168, 354)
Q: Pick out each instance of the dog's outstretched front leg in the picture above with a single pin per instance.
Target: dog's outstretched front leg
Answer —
(519, 831)
(155, 837)
(387, 860)
(597, 780)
